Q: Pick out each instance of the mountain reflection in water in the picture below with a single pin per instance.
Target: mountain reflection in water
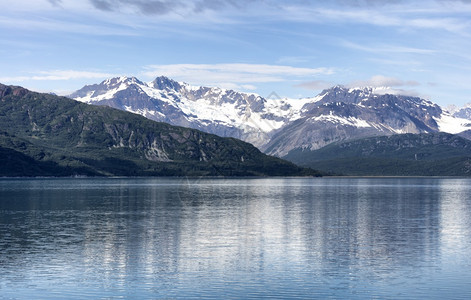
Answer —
(406, 238)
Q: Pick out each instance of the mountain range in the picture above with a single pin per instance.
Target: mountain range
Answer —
(46, 135)
(166, 128)
(222, 112)
(274, 125)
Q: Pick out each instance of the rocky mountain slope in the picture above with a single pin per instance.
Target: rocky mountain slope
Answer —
(275, 125)
(46, 135)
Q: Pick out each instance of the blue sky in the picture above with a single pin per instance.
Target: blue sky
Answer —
(294, 48)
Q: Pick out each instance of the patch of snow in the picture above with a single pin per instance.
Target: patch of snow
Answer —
(90, 98)
(351, 121)
(157, 94)
(450, 124)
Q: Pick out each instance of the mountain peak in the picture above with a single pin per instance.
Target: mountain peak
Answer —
(106, 89)
(9, 89)
(341, 89)
(370, 91)
(463, 112)
(365, 90)
(120, 80)
(165, 83)
(340, 93)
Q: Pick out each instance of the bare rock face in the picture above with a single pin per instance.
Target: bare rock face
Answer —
(12, 90)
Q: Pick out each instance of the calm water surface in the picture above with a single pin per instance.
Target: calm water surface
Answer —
(235, 238)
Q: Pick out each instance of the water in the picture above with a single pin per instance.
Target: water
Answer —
(268, 238)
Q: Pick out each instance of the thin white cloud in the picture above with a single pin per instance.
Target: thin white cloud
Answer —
(402, 92)
(381, 84)
(55, 2)
(235, 73)
(235, 86)
(294, 59)
(65, 26)
(400, 14)
(162, 7)
(56, 75)
(69, 74)
(406, 15)
(14, 79)
(314, 85)
(388, 85)
(383, 81)
(383, 48)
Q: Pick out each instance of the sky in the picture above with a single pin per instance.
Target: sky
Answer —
(293, 48)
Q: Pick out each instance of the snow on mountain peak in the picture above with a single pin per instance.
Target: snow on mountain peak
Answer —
(375, 90)
(107, 89)
(165, 83)
(361, 91)
(461, 112)
(120, 80)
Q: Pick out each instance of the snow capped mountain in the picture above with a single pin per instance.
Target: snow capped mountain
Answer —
(464, 112)
(275, 125)
(223, 112)
(340, 114)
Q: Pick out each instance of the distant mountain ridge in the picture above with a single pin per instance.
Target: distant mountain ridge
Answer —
(341, 114)
(276, 126)
(425, 154)
(47, 135)
(463, 112)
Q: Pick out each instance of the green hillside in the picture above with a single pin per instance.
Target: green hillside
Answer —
(47, 135)
(434, 154)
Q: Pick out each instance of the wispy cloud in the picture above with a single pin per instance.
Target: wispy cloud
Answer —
(145, 7)
(102, 5)
(429, 40)
(233, 74)
(55, 2)
(382, 81)
(56, 75)
(294, 59)
(388, 85)
(163, 7)
(410, 15)
(382, 85)
(383, 48)
(67, 26)
(392, 13)
(314, 85)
